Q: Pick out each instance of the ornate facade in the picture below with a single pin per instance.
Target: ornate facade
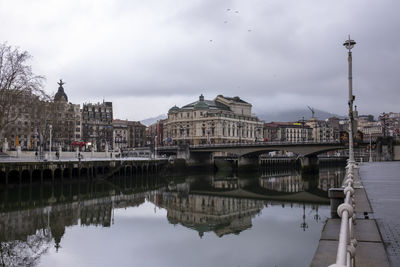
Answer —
(219, 121)
(65, 120)
(97, 124)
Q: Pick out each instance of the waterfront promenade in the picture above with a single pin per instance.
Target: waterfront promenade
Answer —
(377, 228)
(381, 181)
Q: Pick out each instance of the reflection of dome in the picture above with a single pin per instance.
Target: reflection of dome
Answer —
(61, 95)
(57, 228)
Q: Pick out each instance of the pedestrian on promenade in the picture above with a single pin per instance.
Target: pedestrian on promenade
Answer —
(36, 155)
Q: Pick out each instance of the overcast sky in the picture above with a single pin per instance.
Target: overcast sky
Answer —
(146, 56)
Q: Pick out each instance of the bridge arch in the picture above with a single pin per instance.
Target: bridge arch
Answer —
(25, 176)
(302, 150)
(3, 177)
(13, 177)
(58, 173)
(36, 175)
(299, 151)
(84, 172)
(48, 175)
(67, 173)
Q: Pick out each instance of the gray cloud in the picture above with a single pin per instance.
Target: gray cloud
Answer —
(276, 55)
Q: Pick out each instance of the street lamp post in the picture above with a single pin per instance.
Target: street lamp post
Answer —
(155, 147)
(51, 128)
(349, 44)
(370, 147)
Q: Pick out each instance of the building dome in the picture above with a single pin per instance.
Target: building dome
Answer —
(201, 104)
(173, 109)
(61, 95)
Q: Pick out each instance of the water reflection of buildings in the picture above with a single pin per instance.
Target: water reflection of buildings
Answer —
(225, 183)
(19, 225)
(330, 178)
(287, 184)
(283, 180)
(204, 213)
(291, 181)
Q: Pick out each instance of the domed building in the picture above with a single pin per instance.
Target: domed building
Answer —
(219, 121)
(65, 120)
(61, 95)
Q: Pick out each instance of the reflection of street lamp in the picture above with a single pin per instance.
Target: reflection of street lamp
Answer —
(316, 216)
(155, 147)
(349, 44)
(51, 128)
(304, 225)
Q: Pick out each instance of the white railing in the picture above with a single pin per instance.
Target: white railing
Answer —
(347, 243)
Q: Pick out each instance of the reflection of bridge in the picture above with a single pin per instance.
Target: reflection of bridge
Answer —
(306, 151)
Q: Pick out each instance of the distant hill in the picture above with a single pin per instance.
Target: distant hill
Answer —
(297, 114)
(153, 120)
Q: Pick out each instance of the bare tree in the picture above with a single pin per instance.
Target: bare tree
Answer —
(17, 84)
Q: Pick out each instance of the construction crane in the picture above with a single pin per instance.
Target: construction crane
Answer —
(312, 111)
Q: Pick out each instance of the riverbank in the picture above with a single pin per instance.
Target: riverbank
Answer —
(377, 225)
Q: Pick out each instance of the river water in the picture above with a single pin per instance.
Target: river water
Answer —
(271, 218)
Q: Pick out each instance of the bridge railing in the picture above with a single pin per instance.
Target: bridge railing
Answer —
(347, 243)
(255, 144)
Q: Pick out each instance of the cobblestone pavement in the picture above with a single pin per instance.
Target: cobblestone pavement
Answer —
(382, 184)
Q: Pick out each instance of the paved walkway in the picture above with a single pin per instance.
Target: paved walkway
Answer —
(381, 181)
(377, 228)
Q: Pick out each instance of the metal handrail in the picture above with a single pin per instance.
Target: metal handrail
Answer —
(347, 243)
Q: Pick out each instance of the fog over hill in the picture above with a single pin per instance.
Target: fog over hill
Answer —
(150, 121)
(296, 114)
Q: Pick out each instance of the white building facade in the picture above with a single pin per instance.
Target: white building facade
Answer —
(223, 120)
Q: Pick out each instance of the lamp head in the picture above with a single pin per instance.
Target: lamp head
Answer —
(349, 44)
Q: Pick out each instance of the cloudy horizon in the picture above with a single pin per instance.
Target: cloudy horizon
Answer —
(146, 56)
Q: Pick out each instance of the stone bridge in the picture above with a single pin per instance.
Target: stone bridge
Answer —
(248, 153)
